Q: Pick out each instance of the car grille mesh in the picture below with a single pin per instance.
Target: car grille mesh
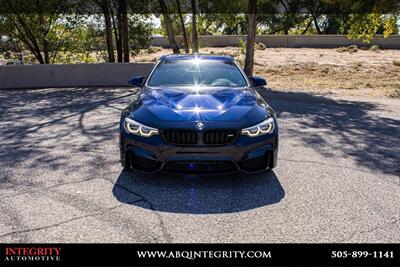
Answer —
(219, 137)
(180, 137)
(212, 137)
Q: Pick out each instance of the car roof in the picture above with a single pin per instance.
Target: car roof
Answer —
(192, 56)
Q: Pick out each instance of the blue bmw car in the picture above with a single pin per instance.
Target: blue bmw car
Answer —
(198, 114)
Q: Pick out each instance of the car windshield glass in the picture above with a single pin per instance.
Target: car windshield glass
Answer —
(197, 72)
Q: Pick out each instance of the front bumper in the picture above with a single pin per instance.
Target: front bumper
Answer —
(153, 154)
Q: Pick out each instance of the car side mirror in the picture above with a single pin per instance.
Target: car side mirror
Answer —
(257, 81)
(136, 81)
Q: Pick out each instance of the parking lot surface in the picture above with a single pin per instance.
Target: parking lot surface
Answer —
(337, 178)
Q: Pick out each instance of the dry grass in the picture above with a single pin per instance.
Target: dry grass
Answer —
(347, 70)
(327, 71)
(355, 71)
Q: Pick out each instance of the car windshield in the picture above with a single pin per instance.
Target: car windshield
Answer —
(197, 72)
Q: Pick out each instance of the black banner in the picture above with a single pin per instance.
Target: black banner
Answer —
(199, 254)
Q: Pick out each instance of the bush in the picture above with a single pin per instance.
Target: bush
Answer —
(396, 63)
(260, 46)
(153, 49)
(350, 49)
(139, 33)
(341, 49)
(7, 55)
(243, 46)
(375, 48)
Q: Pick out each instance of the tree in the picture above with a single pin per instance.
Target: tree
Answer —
(168, 26)
(105, 7)
(118, 28)
(184, 34)
(115, 18)
(195, 39)
(251, 36)
(42, 27)
(366, 26)
(125, 29)
(139, 32)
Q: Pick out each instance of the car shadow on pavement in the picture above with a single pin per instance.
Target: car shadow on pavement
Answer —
(360, 131)
(198, 194)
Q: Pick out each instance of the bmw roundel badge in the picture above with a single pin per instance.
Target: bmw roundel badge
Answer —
(200, 125)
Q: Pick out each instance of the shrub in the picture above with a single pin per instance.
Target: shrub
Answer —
(7, 55)
(243, 47)
(260, 46)
(396, 63)
(350, 49)
(341, 49)
(375, 48)
(153, 49)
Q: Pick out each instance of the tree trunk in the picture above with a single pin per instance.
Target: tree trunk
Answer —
(120, 50)
(308, 26)
(251, 36)
(168, 25)
(109, 35)
(28, 39)
(46, 52)
(125, 31)
(117, 27)
(316, 24)
(195, 39)
(185, 39)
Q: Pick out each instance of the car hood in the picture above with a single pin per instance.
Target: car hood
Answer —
(179, 104)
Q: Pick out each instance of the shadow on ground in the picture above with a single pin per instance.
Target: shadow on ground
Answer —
(348, 129)
(198, 194)
(43, 129)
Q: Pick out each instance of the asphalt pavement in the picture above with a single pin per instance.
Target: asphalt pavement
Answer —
(337, 180)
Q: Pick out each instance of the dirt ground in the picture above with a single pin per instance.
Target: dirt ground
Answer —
(325, 71)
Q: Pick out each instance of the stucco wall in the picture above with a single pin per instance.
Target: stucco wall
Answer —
(74, 75)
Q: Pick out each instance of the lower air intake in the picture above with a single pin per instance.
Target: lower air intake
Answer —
(200, 166)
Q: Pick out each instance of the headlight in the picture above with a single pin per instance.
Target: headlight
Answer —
(262, 128)
(137, 128)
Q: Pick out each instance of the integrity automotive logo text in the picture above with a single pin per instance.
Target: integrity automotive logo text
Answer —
(32, 254)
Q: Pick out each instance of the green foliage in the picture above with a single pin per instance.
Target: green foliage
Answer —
(243, 46)
(50, 31)
(390, 25)
(68, 38)
(140, 30)
(45, 34)
(366, 26)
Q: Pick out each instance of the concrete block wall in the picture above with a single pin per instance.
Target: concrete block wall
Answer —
(71, 75)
